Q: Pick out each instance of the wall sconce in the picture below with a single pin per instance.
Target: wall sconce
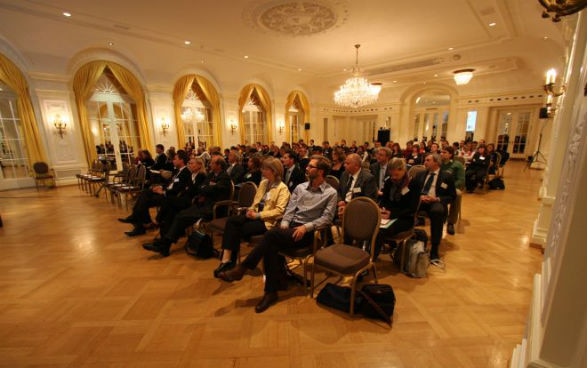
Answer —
(164, 126)
(549, 88)
(60, 125)
(463, 76)
(233, 128)
(281, 128)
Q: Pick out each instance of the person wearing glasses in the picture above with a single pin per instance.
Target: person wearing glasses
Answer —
(312, 206)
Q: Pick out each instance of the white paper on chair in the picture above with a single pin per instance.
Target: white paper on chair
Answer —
(386, 223)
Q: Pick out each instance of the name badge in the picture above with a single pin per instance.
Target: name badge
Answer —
(443, 185)
(176, 180)
(290, 184)
(404, 190)
(482, 158)
(356, 190)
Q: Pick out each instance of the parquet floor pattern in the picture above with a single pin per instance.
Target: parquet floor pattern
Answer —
(76, 292)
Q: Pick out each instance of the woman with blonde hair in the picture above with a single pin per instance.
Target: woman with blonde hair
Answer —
(268, 206)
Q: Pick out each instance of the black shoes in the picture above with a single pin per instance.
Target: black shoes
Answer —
(234, 274)
(450, 229)
(127, 220)
(136, 231)
(157, 248)
(223, 267)
(267, 301)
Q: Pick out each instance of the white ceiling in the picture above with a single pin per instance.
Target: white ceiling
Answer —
(402, 42)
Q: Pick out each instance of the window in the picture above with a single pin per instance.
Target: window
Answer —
(13, 155)
(253, 123)
(197, 120)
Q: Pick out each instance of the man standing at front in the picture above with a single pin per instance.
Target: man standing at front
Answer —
(437, 191)
(312, 206)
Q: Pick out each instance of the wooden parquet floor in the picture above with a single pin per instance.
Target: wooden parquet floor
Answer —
(76, 292)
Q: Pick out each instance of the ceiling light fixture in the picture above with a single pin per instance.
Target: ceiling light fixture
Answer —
(357, 91)
(561, 8)
(463, 76)
(66, 14)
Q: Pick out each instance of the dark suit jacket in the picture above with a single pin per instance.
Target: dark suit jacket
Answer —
(215, 188)
(160, 162)
(237, 173)
(297, 177)
(444, 188)
(402, 203)
(375, 170)
(181, 182)
(364, 186)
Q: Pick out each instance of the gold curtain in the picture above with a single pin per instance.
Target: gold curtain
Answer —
(84, 84)
(12, 76)
(304, 105)
(181, 88)
(265, 103)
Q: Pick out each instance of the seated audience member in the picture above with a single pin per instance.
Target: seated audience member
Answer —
(415, 157)
(457, 171)
(491, 153)
(398, 202)
(172, 205)
(379, 169)
(144, 158)
(397, 151)
(436, 190)
(312, 206)
(253, 172)
(160, 158)
(338, 163)
(355, 182)
(477, 169)
(327, 150)
(217, 187)
(155, 195)
(293, 174)
(268, 207)
(235, 170)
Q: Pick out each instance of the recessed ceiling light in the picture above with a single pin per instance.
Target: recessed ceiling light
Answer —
(436, 75)
(545, 37)
(66, 14)
(246, 57)
(492, 24)
(187, 42)
(110, 43)
(450, 49)
(299, 69)
(394, 81)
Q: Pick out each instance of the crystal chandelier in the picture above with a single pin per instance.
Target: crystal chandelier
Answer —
(357, 91)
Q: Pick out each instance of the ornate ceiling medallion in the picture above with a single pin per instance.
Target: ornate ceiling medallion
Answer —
(296, 18)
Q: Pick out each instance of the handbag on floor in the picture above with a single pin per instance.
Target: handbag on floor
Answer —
(372, 301)
(199, 245)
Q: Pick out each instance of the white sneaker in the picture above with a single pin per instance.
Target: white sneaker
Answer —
(438, 263)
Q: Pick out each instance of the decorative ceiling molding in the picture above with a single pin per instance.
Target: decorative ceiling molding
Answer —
(296, 18)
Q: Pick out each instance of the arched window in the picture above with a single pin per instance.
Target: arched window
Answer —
(113, 123)
(297, 113)
(197, 111)
(430, 115)
(255, 115)
(20, 144)
(129, 116)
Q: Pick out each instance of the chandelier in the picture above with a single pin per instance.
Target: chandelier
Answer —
(561, 8)
(357, 91)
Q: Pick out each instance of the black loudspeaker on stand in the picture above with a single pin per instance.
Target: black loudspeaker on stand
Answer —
(538, 155)
(384, 136)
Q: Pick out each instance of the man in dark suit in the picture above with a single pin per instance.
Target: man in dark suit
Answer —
(217, 187)
(293, 174)
(379, 169)
(437, 190)
(160, 159)
(355, 182)
(155, 195)
(235, 169)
